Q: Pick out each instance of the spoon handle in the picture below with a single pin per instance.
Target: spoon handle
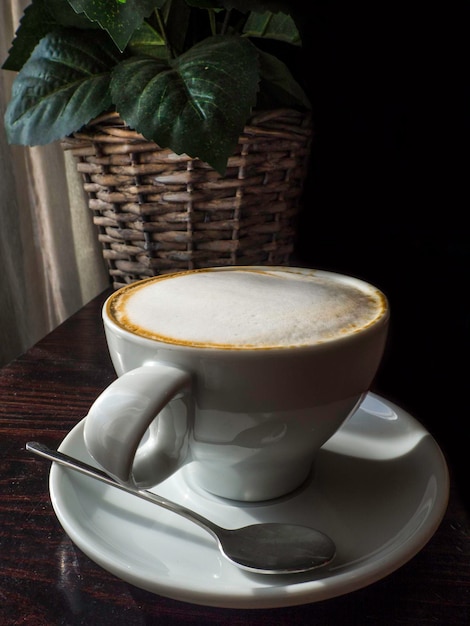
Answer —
(88, 470)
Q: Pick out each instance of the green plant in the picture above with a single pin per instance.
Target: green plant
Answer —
(183, 73)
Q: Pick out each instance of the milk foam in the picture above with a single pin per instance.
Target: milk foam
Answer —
(246, 308)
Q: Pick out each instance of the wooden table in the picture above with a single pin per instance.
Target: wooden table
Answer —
(46, 580)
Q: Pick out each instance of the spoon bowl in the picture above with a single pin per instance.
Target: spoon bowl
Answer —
(264, 548)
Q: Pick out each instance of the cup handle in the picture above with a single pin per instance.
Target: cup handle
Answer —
(131, 408)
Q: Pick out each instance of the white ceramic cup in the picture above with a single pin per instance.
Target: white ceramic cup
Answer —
(246, 412)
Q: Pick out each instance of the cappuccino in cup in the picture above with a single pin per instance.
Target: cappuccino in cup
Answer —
(233, 376)
(247, 308)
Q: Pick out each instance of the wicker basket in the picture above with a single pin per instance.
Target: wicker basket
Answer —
(158, 212)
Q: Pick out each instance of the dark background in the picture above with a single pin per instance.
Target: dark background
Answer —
(386, 198)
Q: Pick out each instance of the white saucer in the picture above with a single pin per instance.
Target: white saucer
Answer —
(379, 489)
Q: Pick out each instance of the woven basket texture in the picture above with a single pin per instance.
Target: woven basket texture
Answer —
(159, 212)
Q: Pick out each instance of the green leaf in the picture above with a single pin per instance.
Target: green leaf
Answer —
(35, 23)
(278, 26)
(278, 88)
(39, 18)
(176, 15)
(198, 105)
(66, 16)
(147, 41)
(63, 85)
(120, 20)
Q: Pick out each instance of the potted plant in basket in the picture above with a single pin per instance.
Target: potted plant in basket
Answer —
(184, 73)
(207, 85)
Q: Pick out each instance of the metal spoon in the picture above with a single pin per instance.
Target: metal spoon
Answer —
(268, 548)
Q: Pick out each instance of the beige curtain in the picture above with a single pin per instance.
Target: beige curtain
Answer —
(50, 261)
